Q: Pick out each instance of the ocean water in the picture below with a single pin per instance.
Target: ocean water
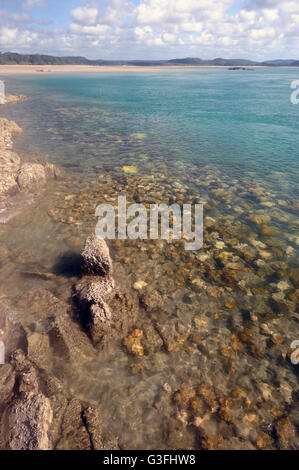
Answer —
(243, 122)
(227, 139)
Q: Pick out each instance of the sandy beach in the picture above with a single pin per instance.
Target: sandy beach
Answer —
(33, 69)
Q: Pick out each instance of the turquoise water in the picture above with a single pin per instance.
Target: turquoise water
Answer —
(229, 312)
(241, 121)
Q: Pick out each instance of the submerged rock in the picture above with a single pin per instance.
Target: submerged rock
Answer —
(7, 382)
(173, 336)
(100, 440)
(212, 442)
(31, 177)
(39, 350)
(285, 434)
(62, 339)
(13, 99)
(133, 342)
(74, 432)
(151, 300)
(94, 289)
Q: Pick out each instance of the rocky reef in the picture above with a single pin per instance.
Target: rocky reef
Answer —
(13, 99)
(37, 415)
(167, 349)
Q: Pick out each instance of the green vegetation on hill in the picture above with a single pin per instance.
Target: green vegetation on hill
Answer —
(11, 58)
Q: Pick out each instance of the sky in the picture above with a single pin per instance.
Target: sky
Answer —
(152, 29)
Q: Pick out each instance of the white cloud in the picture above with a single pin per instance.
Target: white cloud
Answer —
(20, 17)
(89, 30)
(13, 37)
(85, 15)
(29, 4)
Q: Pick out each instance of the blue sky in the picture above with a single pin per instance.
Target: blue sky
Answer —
(151, 29)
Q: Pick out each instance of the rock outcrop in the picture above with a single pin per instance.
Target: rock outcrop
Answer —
(26, 420)
(17, 176)
(7, 382)
(25, 424)
(36, 412)
(96, 257)
(13, 99)
(37, 415)
(105, 309)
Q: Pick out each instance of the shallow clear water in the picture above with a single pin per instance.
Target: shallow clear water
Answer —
(243, 122)
(227, 139)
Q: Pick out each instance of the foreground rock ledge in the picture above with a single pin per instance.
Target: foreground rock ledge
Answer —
(37, 413)
(27, 422)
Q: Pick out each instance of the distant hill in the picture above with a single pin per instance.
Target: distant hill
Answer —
(10, 58)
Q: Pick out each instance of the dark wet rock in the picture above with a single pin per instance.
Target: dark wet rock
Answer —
(105, 309)
(179, 436)
(100, 321)
(93, 290)
(91, 417)
(53, 389)
(224, 411)
(152, 300)
(133, 342)
(173, 335)
(49, 384)
(39, 350)
(151, 340)
(93, 294)
(27, 381)
(4, 254)
(26, 422)
(59, 403)
(162, 401)
(52, 171)
(31, 177)
(74, 433)
(294, 275)
(67, 341)
(77, 427)
(285, 432)
(113, 319)
(265, 442)
(212, 442)
(67, 338)
(7, 382)
(99, 439)
(96, 257)
(19, 360)
(183, 396)
(12, 333)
